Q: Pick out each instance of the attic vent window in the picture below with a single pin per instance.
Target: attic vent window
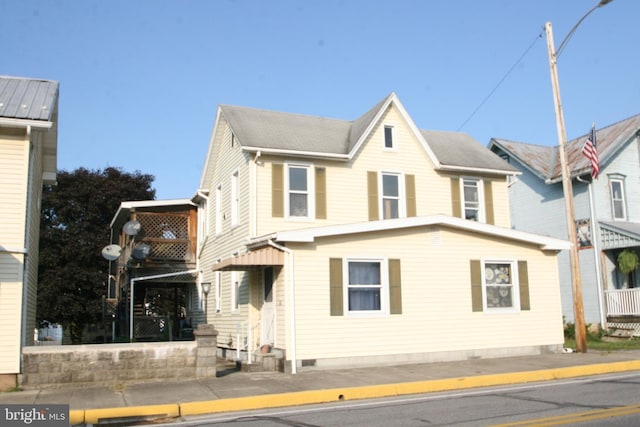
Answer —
(388, 137)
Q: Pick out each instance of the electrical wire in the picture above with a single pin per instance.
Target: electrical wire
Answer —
(539, 36)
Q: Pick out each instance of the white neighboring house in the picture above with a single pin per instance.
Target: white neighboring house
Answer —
(607, 215)
(28, 159)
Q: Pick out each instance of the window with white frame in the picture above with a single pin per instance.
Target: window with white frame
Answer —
(235, 199)
(218, 291)
(299, 200)
(392, 198)
(366, 286)
(235, 291)
(500, 287)
(618, 207)
(473, 199)
(389, 137)
(219, 209)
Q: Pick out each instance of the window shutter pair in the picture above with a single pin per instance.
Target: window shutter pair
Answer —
(476, 285)
(456, 200)
(336, 287)
(373, 197)
(278, 191)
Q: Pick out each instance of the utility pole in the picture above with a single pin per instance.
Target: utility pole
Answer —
(567, 186)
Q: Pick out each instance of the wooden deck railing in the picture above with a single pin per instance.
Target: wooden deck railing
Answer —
(623, 302)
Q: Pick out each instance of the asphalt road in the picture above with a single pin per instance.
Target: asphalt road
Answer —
(608, 400)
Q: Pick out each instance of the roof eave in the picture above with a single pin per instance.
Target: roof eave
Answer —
(309, 235)
(312, 154)
(452, 168)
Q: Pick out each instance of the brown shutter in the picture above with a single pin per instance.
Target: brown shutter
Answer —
(488, 202)
(476, 285)
(456, 204)
(277, 190)
(372, 190)
(321, 193)
(410, 190)
(523, 280)
(335, 287)
(395, 287)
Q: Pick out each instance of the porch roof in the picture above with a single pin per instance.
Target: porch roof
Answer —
(255, 258)
(619, 234)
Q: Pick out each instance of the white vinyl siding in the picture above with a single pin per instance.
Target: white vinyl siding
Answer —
(435, 291)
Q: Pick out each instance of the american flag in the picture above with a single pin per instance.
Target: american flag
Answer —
(591, 152)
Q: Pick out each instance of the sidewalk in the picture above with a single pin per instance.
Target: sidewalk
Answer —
(234, 390)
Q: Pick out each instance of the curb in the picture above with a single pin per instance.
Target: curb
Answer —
(95, 416)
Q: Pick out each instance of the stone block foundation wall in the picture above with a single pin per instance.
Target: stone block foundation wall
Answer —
(113, 364)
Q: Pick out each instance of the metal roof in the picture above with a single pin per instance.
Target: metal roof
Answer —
(29, 99)
(545, 160)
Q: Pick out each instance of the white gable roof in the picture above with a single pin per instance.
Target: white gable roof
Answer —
(309, 235)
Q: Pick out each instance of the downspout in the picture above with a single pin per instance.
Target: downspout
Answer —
(292, 325)
(595, 241)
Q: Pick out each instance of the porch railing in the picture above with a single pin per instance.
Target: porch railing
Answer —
(623, 302)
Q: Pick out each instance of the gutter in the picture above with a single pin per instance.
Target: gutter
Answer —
(22, 123)
(289, 252)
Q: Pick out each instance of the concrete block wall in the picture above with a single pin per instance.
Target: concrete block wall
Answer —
(113, 364)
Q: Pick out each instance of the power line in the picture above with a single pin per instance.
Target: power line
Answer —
(501, 80)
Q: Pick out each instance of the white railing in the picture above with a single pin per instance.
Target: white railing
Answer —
(623, 302)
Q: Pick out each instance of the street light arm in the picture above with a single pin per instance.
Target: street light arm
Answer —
(575, 27)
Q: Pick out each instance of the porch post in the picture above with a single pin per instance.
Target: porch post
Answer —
(206, 350)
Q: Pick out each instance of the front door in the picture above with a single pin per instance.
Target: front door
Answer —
(267, 314)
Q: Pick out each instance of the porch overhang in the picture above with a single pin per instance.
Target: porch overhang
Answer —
(263, 257)
(619, 234)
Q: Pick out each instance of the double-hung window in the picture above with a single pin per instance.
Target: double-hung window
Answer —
(618, 208)
(500, 287)
(219, 209)
(473, 200)
(235, 291)
(392, 195)
(235, 199)
(364, 286)
(299, 200)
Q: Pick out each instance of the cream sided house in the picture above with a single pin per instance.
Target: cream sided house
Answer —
(28, 158)
(351, 243)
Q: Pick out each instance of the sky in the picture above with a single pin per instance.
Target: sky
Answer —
(140, 81)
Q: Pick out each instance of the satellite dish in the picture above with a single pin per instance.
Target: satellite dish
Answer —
(132, 228)
(111, 252)
(141, 251)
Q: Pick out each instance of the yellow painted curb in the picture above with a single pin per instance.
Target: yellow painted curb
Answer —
(93, 416)
(76, 417)
(385, 390)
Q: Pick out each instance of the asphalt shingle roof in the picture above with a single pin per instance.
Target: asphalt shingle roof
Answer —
(263, 129)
